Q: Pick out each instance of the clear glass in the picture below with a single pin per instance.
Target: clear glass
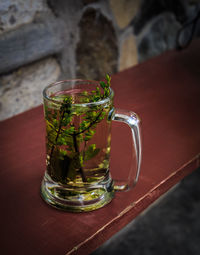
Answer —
(78, 115)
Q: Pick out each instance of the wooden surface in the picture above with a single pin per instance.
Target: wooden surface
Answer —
(165, 92)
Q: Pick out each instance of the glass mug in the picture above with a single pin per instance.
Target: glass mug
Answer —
(78, 136)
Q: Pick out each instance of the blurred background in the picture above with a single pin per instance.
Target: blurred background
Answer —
(42, 41)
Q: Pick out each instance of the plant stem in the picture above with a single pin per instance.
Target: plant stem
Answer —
(57, 135)
(91, 124)
(77, 151)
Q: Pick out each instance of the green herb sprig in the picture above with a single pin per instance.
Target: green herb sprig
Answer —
(65, 139)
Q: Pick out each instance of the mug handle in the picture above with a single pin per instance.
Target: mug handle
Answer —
(133, 122)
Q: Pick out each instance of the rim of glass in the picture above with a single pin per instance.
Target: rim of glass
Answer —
(103, 101)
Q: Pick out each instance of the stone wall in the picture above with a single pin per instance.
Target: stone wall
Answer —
(42, 41)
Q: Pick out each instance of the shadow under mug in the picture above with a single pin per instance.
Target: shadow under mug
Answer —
(78, 115)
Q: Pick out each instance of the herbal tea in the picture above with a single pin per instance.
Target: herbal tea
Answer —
(78, 138)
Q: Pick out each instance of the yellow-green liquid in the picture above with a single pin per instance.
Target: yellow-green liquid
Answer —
(71, 166)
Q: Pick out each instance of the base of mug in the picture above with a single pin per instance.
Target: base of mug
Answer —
(77, 200)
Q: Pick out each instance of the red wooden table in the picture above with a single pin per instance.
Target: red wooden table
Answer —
(165, 92)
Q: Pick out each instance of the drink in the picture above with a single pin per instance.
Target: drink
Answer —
(76, 156)
(77, 143)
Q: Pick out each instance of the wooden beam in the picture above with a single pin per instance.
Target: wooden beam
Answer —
(29, 43)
